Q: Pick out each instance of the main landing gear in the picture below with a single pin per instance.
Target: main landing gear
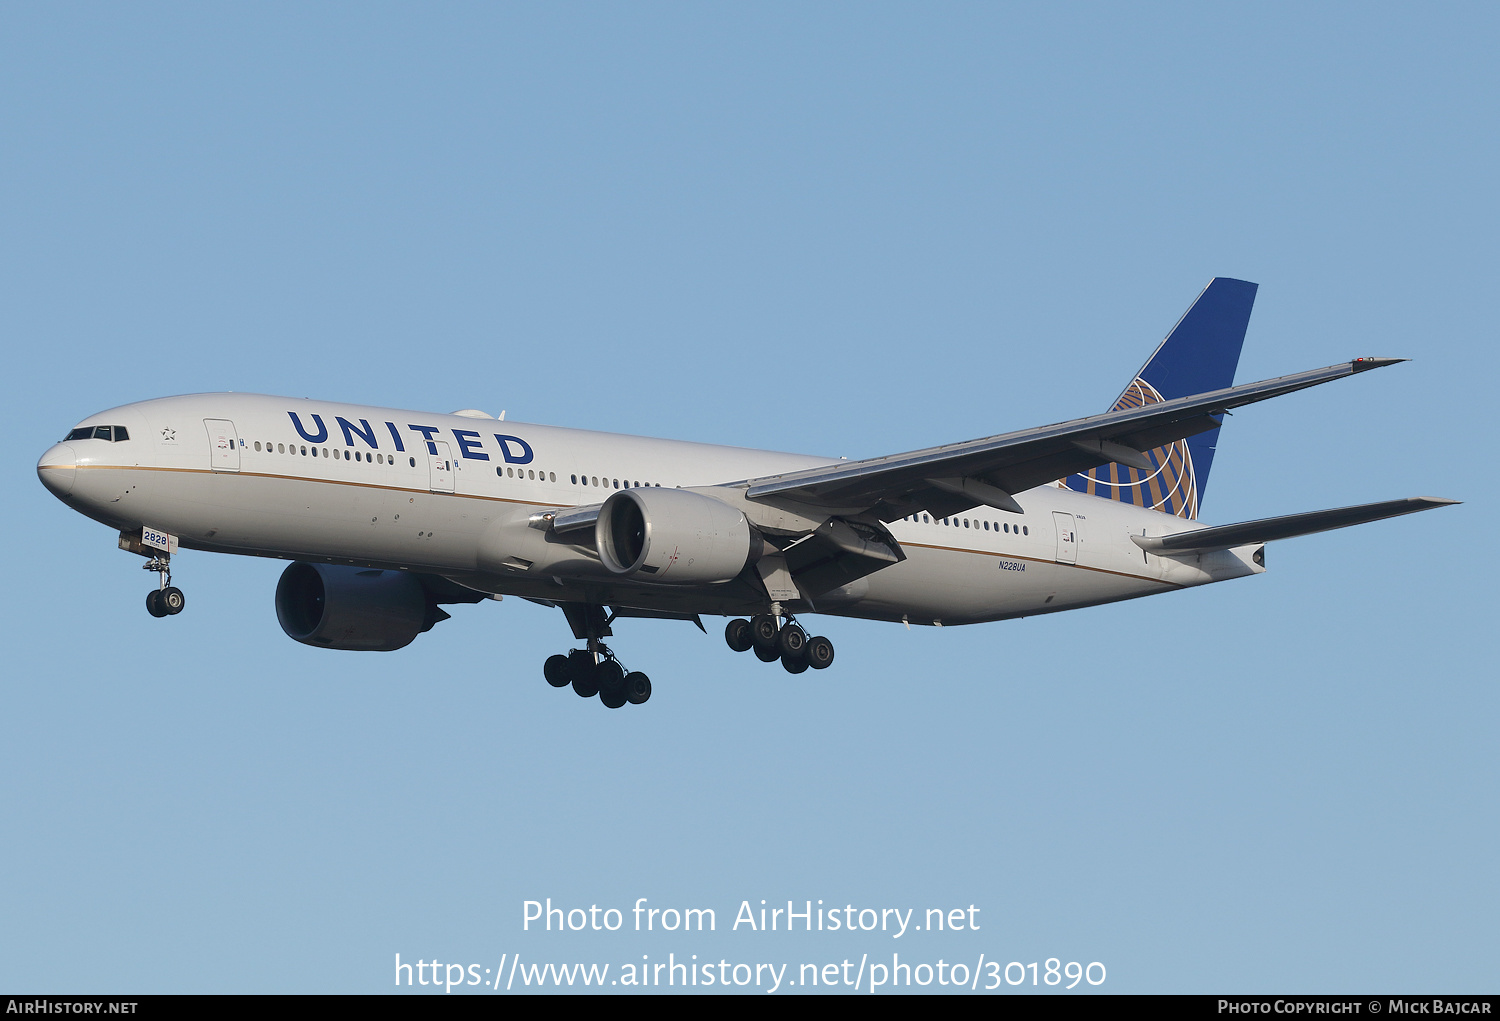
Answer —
(166, 599)
(598, 673)
(595, 670)
(770, 640)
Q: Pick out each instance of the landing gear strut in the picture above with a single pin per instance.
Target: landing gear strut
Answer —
(166, 599)
(595, 670)
(772, 640)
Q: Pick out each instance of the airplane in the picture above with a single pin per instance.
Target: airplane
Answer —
(389, 515)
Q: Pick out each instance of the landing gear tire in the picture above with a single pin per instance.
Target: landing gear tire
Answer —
(586, 682)
(637, 688)
(767, 655)
(172, 599)
(738, 635)
(557, 671)
(819, 653)
(580, 664)
(792, 642)
(610, 677)
(763, 631)
(154, 604)
(793, 664)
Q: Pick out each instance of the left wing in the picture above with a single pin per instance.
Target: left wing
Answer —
(950, 479)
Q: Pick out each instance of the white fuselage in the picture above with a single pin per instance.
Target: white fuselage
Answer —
(452, 495)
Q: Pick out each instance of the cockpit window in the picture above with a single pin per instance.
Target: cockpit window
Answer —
(113, 433)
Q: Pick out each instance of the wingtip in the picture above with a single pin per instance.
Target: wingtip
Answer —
(1366, 364)
(1435, 501)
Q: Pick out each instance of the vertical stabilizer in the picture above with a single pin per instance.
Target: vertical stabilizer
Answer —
(1198, 356)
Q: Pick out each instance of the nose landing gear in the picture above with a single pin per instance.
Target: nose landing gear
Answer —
(166, 599)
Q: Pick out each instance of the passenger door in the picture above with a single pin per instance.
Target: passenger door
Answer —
(223, 445)
(440, 468)
(1067, 537)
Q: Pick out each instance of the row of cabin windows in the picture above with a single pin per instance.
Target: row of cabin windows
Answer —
(577, 480)
(988, 526)
(358, 455)
(594, 480)
(526, 473)
(113, 433)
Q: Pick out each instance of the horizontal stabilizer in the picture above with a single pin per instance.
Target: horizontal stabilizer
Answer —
(1266, 529)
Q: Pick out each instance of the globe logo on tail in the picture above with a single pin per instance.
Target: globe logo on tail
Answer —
(1170, 486)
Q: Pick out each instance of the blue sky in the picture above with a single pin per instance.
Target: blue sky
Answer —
(844, 229)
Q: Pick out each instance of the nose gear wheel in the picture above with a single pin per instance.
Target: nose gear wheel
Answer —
(166, 599)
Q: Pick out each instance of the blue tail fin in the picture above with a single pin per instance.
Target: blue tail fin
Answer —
(1199, 355)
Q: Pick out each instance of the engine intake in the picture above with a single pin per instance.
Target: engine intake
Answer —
(352, 608)
(672, 537)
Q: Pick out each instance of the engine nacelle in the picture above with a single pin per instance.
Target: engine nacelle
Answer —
(354, 608)
(672, 537)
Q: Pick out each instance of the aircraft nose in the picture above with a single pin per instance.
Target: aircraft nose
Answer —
(57, 469)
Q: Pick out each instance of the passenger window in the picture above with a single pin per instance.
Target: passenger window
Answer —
(413, 462)
(551, 477)
(1025, 529)
(280, 448)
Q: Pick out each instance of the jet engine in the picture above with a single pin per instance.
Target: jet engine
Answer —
(673, 537)
(354, 608)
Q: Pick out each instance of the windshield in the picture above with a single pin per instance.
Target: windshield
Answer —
(113, 433)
